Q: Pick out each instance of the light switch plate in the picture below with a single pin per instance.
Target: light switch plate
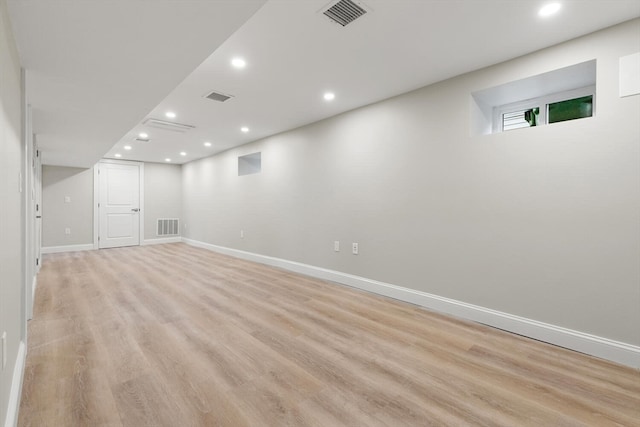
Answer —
(4, 349)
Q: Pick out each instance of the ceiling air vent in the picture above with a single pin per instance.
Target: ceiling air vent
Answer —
(217, 96)
(344, 12)
(164, 125)
(138, 139)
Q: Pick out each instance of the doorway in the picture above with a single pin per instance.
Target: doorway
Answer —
(119, 204)
(36, 212)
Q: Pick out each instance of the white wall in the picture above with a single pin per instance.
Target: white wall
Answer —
(11, 226)
(59, 182)
(540, 223)
(162, 194)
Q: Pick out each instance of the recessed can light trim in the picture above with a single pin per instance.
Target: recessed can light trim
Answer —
(238, 62)
(549, 9)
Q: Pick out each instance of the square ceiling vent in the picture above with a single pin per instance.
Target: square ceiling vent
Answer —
(344, 12)
(218, 96)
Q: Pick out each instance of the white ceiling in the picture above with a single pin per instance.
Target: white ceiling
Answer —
(98, 69)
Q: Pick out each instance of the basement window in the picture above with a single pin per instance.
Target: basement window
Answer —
(250, 164)
(558, 107)
(560, 95)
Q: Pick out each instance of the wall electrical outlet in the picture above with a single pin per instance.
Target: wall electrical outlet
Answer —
(67, 230)
(354, 249)
(242, 234)
(336, 245)
(67, 199)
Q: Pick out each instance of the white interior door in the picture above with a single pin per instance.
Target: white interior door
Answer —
(119, 205)
(36, 208)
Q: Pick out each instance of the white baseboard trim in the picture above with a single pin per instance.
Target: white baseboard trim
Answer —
(67, 248)
(162, 240)
(11, 419)
(90, 247)
(604, 348)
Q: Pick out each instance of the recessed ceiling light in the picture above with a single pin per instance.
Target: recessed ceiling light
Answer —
(549, 9)
(117, 155)
(182, 153)
(167, 159)
(170, 114)
(207, 144)
(127, 147)
(244, 129)
(329, 96)
(238, 62)
(143, 135)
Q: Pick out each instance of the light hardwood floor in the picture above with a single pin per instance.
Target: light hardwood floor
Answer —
(172, 335)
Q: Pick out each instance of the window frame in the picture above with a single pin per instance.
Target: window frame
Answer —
(542, 103)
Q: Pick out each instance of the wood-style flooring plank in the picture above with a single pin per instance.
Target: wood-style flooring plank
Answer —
(172, 335)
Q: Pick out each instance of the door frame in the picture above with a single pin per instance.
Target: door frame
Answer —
(29, 215)
(96, 197)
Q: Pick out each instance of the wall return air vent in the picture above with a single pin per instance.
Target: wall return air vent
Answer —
(344, 12)
(164, 125)
(168, 227)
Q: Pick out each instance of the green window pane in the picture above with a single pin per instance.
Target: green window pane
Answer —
(570, 109)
